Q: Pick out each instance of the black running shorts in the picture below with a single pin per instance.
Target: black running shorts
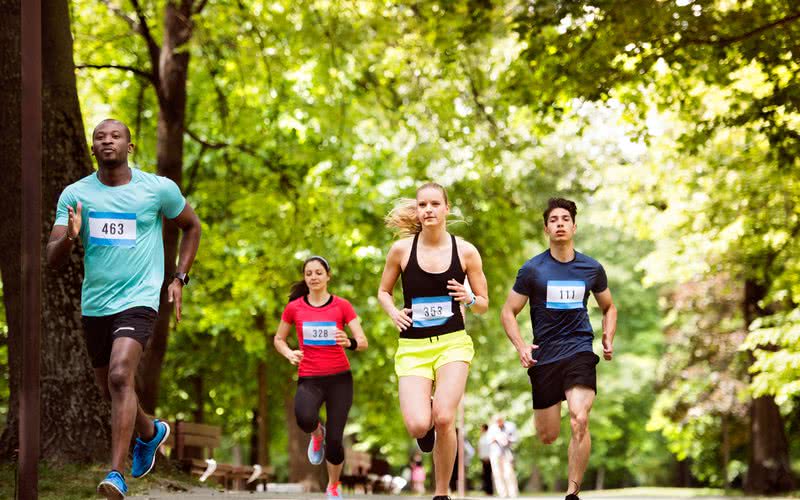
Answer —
(550, 382)
(101, 331)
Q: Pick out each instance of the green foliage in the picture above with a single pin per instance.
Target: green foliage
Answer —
(776, 344)
(673, 124)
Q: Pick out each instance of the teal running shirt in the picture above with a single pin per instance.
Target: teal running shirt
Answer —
(121, 234)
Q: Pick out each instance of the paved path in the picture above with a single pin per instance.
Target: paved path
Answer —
(629, 494)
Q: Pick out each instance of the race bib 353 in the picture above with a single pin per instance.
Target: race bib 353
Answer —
(431, 311)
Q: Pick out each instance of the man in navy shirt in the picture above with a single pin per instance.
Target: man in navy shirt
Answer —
(560, 362)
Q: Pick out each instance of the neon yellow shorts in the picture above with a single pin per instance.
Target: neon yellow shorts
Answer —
(422, 357)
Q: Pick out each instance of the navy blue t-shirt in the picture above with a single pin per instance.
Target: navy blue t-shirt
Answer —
(558, 293)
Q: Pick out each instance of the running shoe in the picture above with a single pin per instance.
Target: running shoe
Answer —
(574, 496)
(316, 448)
(333, 492)
(144, 453)
(113, 487)
(427, 441)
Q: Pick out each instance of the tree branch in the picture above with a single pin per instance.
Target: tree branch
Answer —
(193, 170)
(476, 98)
(200, 6)
(144, 30)
(139, 72)
(243, 148)
(724, 41)
(122, 15)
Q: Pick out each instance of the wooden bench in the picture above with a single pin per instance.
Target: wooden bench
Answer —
(193, 447)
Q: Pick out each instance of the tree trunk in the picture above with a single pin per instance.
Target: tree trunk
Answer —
(600, 479)
(75, 420)
(535, 481)
(263, 416)
(683, 474)
(172, 72)
(768, 469)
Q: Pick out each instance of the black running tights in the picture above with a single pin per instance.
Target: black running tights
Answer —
(336, 391)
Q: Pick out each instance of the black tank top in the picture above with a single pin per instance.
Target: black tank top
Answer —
(435, 312)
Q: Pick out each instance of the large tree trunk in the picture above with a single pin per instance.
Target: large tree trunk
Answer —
(75, 420)
(173, 70)
(769, 470)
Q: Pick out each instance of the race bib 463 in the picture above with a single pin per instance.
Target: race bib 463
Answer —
(431, 311)
(319, 333)
(112, 229)
(565, 294)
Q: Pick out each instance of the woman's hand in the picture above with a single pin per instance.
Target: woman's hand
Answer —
(341, 339)
(295, 357)
(401, 318)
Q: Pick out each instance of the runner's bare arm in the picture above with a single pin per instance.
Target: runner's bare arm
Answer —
(358, 334)
(508, 316)
(391, 272)
(294, 356)
(189, 224)
(606, 304)
(62, 238)
(477, 279)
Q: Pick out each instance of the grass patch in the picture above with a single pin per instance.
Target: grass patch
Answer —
(79, 481)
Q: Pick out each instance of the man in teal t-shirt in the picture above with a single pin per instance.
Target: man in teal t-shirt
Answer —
(116, 213)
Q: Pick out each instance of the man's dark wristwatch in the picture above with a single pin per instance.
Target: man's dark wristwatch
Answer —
(182, 277)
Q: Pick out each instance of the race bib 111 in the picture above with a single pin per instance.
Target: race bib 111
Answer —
(319, 333)
(565, 294)
(112, 229)
(431, 311)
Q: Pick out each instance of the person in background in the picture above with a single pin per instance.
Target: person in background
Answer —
(502, 435)
(486, 464)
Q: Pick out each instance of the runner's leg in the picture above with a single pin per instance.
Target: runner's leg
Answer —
(451, 381)
(125, 354)
(579, 401)
(338, 400)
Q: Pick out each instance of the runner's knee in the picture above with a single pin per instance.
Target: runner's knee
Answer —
(418, 427)
(119, 380)
(306, 420)
(547, 436)
(443, 419)
(580, 424)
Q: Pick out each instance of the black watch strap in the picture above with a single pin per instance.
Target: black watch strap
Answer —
(183, 277)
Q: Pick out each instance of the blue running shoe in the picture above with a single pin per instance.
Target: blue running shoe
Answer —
(113, 487)
(144, 453)
(316, 448)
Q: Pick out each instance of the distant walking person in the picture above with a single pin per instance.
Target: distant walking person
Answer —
(502, 435)
(486, 464)
(561, 364)
(116, 213)
(323, 368)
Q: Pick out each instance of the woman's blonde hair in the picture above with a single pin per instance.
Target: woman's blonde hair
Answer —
(403, 216)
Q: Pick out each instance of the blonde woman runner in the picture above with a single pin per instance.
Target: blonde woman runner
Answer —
(433, 345)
